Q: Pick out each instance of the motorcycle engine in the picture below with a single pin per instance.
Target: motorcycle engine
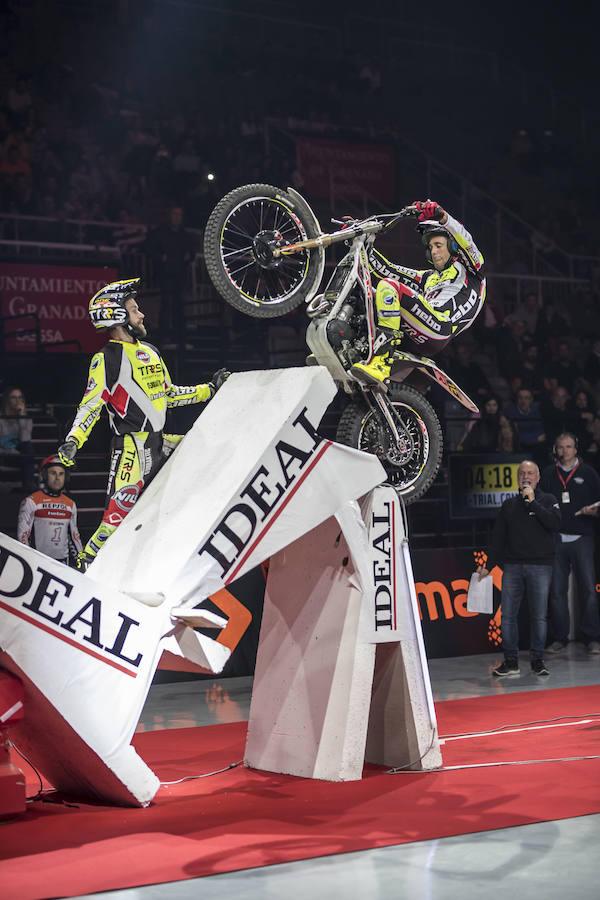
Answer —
(341, 330)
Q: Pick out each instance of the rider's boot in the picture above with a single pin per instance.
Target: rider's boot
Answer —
(378, 370)
(375, 372)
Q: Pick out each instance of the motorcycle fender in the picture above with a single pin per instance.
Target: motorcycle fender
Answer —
(439, 376)
(306, 213)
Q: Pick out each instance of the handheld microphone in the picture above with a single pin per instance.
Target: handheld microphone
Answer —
(524, 485)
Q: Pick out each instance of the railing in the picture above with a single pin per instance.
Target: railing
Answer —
(550, 290)
(497, 229)
(87, 233)
(35, 330)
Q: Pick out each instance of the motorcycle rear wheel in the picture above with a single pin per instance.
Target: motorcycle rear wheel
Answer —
(240, 235)
(411, 469)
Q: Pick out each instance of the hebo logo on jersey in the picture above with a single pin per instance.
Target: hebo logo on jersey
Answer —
(426, 317)
(143, 356)
(465, 307)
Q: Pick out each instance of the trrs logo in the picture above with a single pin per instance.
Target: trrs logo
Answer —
(44, 600)
(264, 495)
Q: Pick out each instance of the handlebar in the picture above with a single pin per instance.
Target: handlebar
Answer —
(372, 225)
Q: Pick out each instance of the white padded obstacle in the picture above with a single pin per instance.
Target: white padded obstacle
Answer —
(251, 477)
(341, 674)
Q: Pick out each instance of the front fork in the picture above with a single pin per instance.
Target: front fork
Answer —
(377, 401)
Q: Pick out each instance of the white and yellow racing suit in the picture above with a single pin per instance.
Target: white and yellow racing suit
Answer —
(427, 306)
(132, 381)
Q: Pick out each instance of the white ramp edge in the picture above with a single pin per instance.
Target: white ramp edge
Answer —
(251, 476)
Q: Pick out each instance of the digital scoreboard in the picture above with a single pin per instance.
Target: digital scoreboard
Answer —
(480, 483)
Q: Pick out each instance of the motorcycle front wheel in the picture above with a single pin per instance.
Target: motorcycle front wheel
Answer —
(412, 465)
(242, 232)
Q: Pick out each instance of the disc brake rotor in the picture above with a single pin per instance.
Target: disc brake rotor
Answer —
(405, 459)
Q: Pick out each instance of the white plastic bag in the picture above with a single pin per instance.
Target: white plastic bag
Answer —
(480, 594)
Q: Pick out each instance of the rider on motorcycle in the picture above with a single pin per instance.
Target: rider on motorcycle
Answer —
(424, 309)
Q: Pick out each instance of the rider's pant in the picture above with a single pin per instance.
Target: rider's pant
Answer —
(425, 331)
(134, 461)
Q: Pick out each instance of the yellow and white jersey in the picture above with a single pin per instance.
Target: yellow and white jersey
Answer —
(447, 302)
(133, 382)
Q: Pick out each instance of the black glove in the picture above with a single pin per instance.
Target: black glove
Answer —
(428, 209)
(219, 379)
(66, 453)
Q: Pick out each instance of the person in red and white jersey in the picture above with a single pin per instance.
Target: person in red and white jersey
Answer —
(48, 517)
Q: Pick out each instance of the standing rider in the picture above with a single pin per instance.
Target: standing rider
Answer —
(130, 378)
(424, 309)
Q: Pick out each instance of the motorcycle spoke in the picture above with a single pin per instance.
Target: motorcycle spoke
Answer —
(237, 252)
(267, 283)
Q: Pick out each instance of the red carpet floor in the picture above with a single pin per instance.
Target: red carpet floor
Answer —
(242, 818)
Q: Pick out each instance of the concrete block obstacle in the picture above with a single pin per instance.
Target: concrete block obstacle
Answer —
(341, 674)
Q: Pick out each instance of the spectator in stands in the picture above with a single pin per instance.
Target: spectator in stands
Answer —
(16, 447)
(557, 413)
(48, 516)
(591, 366)
(491, 433)
(527, 418)
(552, 325)
(584, 418)
(530, 374)
(171, 249)
(528, 310)
(512, 341)
(467, 373)
(562, 369)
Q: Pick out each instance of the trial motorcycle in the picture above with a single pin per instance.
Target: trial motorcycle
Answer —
(265, 254)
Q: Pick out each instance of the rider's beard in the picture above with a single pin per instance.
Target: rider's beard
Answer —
(137, 331)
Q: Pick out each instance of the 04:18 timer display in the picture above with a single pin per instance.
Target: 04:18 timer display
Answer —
(491, 478)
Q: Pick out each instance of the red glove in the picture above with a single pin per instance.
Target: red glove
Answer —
(428, 209)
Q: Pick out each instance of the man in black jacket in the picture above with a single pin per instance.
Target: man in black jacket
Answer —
(577, 487)
(524, 541)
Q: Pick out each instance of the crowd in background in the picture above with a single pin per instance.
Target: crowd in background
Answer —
(80, 140)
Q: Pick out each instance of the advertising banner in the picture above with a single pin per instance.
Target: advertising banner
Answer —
(441, 580)
(59, 296)
(348, 168)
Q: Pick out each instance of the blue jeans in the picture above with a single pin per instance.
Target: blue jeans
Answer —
(579, 556)
(517, 578)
